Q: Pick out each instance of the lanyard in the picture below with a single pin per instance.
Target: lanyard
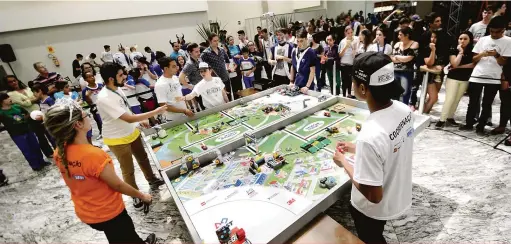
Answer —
(123, 99)
(299, 58)
(378, 48)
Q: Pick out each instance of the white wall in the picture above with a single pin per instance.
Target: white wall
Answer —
(68, 40)
(337, 7)
(22, 15)
(230, 12)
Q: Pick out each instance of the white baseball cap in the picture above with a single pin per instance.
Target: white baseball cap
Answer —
(204, 65)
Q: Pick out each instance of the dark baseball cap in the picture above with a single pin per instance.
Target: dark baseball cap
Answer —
(376, 70)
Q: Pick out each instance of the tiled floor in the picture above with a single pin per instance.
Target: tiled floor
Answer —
(461, 194)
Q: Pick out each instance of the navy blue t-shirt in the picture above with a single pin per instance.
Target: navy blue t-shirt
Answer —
(302, 73)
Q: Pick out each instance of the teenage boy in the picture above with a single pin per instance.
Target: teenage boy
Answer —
(107, 56)
(218, 60)
(243, 39)
(167, 88)
(281, 60)
(491, 54)
(134, 56)
(303, 67)
(247, 67)
(266, 46)
(211, 89)
(76, 66)
(90, 95)
(190, 74)
(479, 29)
(152, 54)
(120, 132)
(382, 173)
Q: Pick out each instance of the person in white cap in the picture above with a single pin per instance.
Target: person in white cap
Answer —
(210, 88)
(382, 172)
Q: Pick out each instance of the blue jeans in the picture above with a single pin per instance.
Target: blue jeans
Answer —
(406, 79)
(28, 145)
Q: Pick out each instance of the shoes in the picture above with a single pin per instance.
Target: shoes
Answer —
(466, 127)
(156, 183)
(452, 122)
(138, 204)
(507, 143)
(151, 239)
(497, 131)
(3, 179)
(480, 131)
(99, 137)
(439, 124)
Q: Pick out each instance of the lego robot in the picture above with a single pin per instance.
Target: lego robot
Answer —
(216, 129)
(227, 236)
(332, 130)
(327, 114)
(327, 182)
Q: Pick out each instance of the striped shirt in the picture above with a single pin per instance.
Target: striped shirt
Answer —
(50, 80)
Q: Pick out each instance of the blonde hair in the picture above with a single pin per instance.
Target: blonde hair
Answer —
(60, 122)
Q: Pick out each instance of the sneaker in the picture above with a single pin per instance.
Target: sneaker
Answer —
(99, 137)
(138, 204)
(3, 179)
(497, 131)
(507, 143)
(439, 124)
(151, 239)
(466, 127)
(452, 122)
(156, 183)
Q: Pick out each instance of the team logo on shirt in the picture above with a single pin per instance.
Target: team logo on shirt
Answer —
(401, 125)
(213, 90)
(17, 118)
(174, 87)
(79, 177)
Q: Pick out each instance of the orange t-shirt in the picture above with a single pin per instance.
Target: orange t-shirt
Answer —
(94, 200)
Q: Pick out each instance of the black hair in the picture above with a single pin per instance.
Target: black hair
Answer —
(144, 61)
(60, 85)
(106, 46)
(159, 54)
(404, 20)
(147, 49)
(470, 45)
(211, 36)
(191, 46)
(283, 30)
(40, 87)
(79, 56)
(241, 32)
(83, 70)
(489, 8)
(245, 50)
(5, 85)
(498, 22)
(367, 38)
(407, 31)
(259, 27)
(165, 62)
(301, 34)
(92, 55)
(430, 18)
(109, 70)
(3, 96)
(264, 30)
(135, 73)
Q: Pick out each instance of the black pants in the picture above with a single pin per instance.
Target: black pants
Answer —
(268, 69)
(475, 89)
(369, 230)
(505, 107)
(43, 137)
(280, 80)
(119, 229)
(346, 79)
(257, 72)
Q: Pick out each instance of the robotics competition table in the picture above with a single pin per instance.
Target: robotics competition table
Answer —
(267, 191)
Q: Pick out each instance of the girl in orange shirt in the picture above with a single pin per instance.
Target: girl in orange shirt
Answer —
(89, 173)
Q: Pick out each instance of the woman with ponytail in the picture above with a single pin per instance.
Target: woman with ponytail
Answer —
(89, 173)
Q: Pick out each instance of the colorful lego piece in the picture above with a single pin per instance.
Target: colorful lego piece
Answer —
(218, 161)
(203, 146)
(358, 127)
(327, 114)
(332, 130)
(183, 169)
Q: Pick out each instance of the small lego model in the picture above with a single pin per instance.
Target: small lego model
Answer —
(216, 128)
(292, 91)
(203, 146)
(327, 182)
(332, 130)
(327, 114)
(268, 109)
(322, 98)
(338, 108)
(183, 169)
(259, 159)
(358, 127)
(218, 161)
(195, 128)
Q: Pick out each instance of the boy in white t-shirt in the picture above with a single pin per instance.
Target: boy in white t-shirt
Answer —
(490, 54)
(168, 87)
(210, 88)
(383, 150)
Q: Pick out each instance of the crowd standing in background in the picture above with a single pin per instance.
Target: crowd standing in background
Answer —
(127, 90)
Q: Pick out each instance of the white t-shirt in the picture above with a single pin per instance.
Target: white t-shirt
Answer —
(478, 30)
(384, 158)
(83, 83)
(167, 89)
(111, 106)
(134, 55)
(349, 54)
(210, 91)
(374, 47)
(487, 70)
(107, 56)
